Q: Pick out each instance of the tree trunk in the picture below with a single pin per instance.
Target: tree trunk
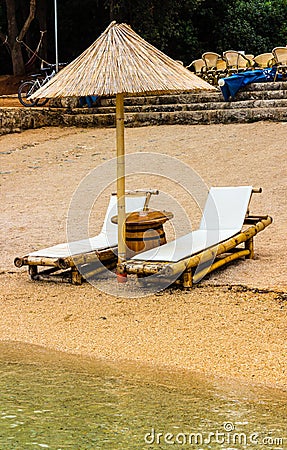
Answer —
(28, 20)
(15, 47)
(41, 14)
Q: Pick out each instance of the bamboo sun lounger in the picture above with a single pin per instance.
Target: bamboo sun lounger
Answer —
(60, 261)
(223, 228)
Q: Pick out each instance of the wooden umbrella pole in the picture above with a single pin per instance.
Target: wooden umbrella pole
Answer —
(121, 177)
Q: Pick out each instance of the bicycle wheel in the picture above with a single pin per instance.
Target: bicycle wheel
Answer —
(25, 90)
(41, 101)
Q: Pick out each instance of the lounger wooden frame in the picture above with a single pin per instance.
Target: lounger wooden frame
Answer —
(66, 269)
(187, 271)
(74, 269)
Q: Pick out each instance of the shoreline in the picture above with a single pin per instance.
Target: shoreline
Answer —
(176, 376)
(231, 338)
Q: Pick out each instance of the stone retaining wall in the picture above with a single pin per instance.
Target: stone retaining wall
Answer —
(260, 101)
(15, 120)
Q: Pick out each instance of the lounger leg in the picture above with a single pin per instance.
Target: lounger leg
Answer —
(33, 271)
(249, 245)
(187, 279)
(76, 277)
(276, 75)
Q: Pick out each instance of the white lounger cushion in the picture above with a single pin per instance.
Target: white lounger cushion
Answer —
(108, 237)
(185, 246)
(64, 250)
(225, 208)
(223, 217)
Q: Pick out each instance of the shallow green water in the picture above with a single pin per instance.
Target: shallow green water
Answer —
(53, 401)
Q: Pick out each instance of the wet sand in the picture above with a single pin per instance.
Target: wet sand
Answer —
(230, 325)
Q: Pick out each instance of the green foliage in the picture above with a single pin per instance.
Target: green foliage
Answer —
(255, 26)
(183, 29)
(167, 24)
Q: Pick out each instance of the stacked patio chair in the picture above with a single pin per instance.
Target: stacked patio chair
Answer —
(280, 57)
(211, 59)
(212, 66)
(198, 67)
(236, 62)
(221, 64)
(250, 58)
(263, 61)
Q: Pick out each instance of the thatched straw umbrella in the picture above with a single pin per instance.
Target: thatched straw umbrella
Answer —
(121, 63)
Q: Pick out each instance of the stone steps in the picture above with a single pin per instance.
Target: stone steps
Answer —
(250, 103)
(260, 101)
(239, 115)
(19, 119)
(187, 107)
(201, 97)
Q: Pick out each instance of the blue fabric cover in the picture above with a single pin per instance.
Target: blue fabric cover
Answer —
(89, 100)
(236, 81)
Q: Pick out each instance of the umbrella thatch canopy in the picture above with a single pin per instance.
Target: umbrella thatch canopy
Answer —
(121, 63)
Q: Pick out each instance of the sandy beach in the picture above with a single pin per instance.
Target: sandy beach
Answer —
(231, 325)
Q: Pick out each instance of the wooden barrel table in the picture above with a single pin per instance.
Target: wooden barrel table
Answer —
(144, 230)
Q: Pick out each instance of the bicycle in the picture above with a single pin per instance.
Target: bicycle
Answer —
(27, 88)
